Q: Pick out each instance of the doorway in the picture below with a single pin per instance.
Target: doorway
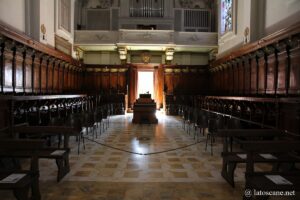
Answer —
(145, 83)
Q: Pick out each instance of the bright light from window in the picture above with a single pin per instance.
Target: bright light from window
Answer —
(145, 83)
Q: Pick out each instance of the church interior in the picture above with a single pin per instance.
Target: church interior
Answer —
(149, 99)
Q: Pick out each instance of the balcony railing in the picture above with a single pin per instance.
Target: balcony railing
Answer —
(193, 20)
(199, 20)
(145, 37)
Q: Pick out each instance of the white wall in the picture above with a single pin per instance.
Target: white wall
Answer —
(190, 59)
(101, 58)
(280, 14)
(12, 12)
(47, 17)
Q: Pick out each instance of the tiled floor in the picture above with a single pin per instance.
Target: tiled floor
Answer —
(157, 162)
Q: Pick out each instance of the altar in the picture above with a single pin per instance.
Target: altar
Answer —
(144, 110)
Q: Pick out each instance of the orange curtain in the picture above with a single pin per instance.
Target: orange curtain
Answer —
(158, 86)
(132, 85)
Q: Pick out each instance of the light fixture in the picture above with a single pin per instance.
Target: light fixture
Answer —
(169, 54)
(122, 53)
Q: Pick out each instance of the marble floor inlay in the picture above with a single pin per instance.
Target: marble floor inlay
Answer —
(165, 163)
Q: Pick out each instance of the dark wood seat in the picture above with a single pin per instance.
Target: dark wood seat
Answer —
(214, 124)
(13, 148)
(21, 187)
(231, 159)
(201, 122)
(61, 155)
(260, 180)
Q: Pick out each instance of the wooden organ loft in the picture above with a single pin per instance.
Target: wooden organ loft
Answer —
(48, 93)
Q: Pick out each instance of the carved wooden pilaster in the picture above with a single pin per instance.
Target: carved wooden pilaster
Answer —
(289, 44)
(14, 50)
(230, 81)
(21, 49)
(9, 65)
(33, 58)
(63, 66)
(259, 54)
(282, 67)
(59, 65)
(2, 46)
(42, 57)
(55, 63)
(50, 61)
(244, 62)
(270, 66)
(294, 70)
(28, 64)
(68, 69)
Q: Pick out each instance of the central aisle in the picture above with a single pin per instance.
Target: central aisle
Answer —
(101, 172)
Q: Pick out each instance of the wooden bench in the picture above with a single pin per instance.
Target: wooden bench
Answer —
(231, 159)
(29, 178)
(65, 131)
(61, 155)
(262, 180)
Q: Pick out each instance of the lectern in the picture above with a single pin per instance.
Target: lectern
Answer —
(144, 110)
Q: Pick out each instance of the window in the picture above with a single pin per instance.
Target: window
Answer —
(65, 14)
(226, 16)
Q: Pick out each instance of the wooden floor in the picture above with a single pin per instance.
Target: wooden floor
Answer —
(157, 162)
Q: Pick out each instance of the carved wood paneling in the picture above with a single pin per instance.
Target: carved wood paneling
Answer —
(262, 66)
(28, 72)
(19, 71)
(271, 71)
(269, 66)
(43, 75)
(8, 68)
(241, 77)
(294, 79)
(28, 66)
(247, 76)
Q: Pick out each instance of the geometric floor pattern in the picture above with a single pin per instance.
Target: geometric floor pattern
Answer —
(165, 164)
